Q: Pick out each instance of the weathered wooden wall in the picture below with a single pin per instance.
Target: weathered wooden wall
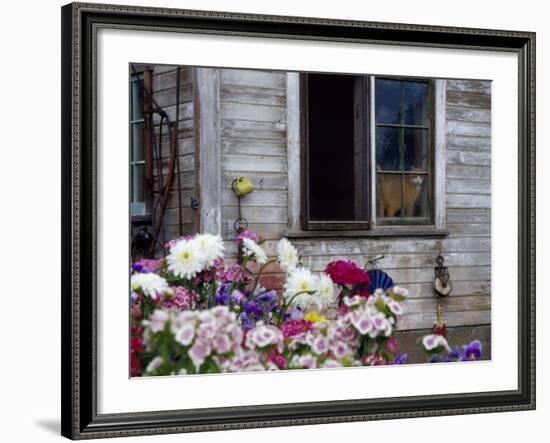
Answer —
(164, 93)
(253, 140)
(254, 143)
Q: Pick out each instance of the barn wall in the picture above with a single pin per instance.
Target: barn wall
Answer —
(253, 139)
(253, 132)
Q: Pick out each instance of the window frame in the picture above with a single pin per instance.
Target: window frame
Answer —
(136, 78)
(430, 120)
(297, 130)
(145, 214)
(361, 113)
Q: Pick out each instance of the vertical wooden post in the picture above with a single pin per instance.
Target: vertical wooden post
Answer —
(208, 149)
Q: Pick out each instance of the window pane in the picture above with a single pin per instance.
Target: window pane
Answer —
(416, 150)
(389, 195)
(137, 99)
(388, 101)
(331, 147)
(137, 141)
(388, 142)
(415, 198)
(415, 104)
(138, 178)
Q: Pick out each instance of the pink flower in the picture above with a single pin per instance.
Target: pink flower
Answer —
(392, 345)
(340, 350)
(168, 245)
(247, 234)
(221, 343)
(362, 322)
(374, 360)
(185, 334)
(182, 299)
(198, 353)
(347, 273)
(320, 345)
(158, 319)
(292, 328)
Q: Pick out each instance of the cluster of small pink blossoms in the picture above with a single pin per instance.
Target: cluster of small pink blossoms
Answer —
(213, 333)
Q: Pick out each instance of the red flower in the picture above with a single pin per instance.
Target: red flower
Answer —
(277, 359)
(347, 273)
(374, 360)
(291, 328)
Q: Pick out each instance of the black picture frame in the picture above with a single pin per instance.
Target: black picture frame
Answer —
(79, 391)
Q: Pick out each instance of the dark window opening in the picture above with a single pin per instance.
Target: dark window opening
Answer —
(338, 130)
(331, 147)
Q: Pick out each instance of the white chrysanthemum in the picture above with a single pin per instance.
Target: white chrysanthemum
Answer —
(185, 259)
(149, 284)
(253, 248)
(210, 247)
(301, 281)
(287, 255)
(325, 293)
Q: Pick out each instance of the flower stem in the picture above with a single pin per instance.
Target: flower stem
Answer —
(256, 281)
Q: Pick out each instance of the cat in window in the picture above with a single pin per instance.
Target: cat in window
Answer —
(389, 194)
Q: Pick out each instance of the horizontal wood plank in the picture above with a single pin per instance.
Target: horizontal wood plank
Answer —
(253, 130)
(252, 95)
(248, 163)
(256, 78)
(253, 113)
(469, 100)
(471, 86)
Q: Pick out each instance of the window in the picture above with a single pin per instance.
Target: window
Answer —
(137, 147)
(367, 152)
(403, 161)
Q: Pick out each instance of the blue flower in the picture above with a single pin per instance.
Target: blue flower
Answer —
(400, 359)
(472, 351)
(247, 323)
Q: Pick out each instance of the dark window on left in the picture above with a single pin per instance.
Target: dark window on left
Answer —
(138, 197)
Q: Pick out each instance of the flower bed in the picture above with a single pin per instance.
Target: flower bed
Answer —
(193, 313)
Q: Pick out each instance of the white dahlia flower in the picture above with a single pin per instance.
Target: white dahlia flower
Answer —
(210, 247)
(185, 259)
(253, 248)
(149, 284)
(301, 281)
(287, 255)
(325, 293)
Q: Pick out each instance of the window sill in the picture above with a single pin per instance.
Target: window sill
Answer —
(141, 218)
(408, 231)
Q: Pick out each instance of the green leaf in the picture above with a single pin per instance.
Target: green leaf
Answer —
(381, 306)
(397, 297)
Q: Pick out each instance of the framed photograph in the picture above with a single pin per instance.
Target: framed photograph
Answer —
(274, 221)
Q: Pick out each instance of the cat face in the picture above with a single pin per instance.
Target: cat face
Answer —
(417, 180)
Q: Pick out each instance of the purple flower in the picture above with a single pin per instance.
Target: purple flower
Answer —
(453, 355)
(267, 301)
(400, 359)
(472, 351)
(222, 299)
(246, 321)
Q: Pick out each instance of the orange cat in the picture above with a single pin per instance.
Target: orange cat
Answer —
(389, 194)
